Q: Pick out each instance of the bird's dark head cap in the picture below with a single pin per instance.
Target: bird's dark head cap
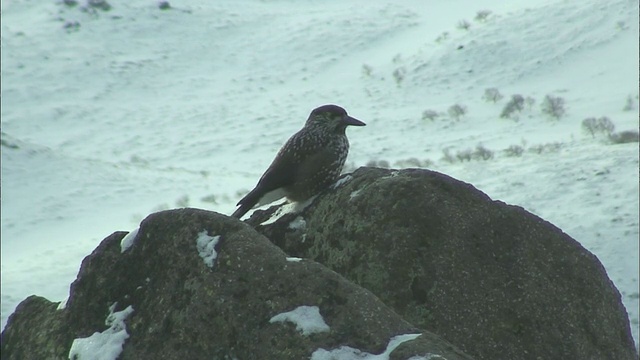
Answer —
(334, 117)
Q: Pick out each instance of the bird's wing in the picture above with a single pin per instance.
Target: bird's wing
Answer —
(317, 167)
(283, 169)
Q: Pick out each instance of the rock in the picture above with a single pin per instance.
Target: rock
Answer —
(495, 280)
(49, 342)
(199, 285)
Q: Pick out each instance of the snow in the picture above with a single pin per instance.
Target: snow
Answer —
(349, 353)
(294, 259)
(127, 240)
(288, 208)
(63, 304)
(139, 110)
(206, 246)
(306, 318)
(298, 223)
(106, 345)
(343, 180)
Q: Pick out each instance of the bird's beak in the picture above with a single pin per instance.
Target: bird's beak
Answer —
(352, 121)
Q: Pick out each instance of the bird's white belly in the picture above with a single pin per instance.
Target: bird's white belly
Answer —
(271, 196)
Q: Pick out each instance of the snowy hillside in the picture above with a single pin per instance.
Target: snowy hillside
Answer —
(110, 115)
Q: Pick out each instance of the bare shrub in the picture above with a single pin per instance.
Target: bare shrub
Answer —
(516, 104)
(479, 153)
(482, 153)
(430, 115)
(553, 106)
(446, 156)
(99, 4)
(482, 15)
(514, 151)
(624, 137)
(538, 149)
(442, 37)
(605, 125)
(463, 25)
(464, 155)
(602, 125)
(210, 199)
(398, 75)
(589, 126)
(71, 26)
(546, 148)
(413, 162)
(367, 70)
(492, 94)
(456, 111)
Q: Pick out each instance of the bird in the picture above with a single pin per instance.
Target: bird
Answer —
(310, 161)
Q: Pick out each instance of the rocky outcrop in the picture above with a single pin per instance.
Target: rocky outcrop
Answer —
(493, 279)
(414, 253)
(199, 285)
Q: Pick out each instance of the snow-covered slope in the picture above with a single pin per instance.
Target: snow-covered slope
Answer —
(139, 109)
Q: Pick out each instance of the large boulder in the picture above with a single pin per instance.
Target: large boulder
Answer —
(193, 284)
(493, 279)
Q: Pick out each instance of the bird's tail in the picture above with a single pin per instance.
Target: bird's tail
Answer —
(247, 203)
(240, 211)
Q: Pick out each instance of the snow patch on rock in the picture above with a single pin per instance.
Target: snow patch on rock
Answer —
(298, 224)
(106, 345)
(306, 318)
(349, 353)
(207, 247)
(128, 240)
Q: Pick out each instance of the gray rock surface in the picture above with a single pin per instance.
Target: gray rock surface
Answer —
(184, 309)
(493, 279)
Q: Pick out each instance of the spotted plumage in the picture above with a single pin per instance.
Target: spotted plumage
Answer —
(309, 161)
